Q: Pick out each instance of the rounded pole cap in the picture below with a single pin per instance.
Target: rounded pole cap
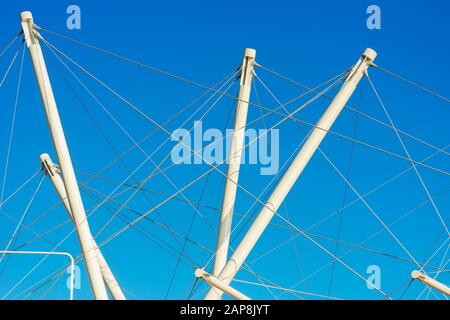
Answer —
(251, 53)
(26, 16)
(199, 272)
(370, 53)
(44, 157)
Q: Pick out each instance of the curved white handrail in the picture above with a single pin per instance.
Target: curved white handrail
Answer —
(55, 253)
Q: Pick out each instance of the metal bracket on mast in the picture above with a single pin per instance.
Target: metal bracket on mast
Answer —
(293, 172)
(422, 277)
(88, 246)
(54, 173)
(216, 283)
(234, 161)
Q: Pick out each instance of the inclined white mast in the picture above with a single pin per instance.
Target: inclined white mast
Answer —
(54, 173)
(433, 283)
(87, 243)
(234, 161)
(292, 174)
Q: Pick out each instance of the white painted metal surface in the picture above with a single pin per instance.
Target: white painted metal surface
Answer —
(234, 161)
(293, 172)
(422, 277)
(216, 283)
(88, 246)
(55, 177)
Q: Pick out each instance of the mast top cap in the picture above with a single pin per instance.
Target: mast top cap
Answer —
(199, 272)
(370, 53)
(44, 156)
(251, 53)
(26, 16)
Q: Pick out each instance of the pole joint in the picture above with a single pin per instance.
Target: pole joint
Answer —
(220, 285)
(49, 167)
(433, 283)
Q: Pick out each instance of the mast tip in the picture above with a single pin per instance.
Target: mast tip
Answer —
(199, 272)
(26, 15)
(416, 274)
(370, 53)
(44, 156)
(251, 53)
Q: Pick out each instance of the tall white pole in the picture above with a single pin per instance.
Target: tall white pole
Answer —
(234, 161)
(55, 177)
(294, 171)
(422, 277)
(88, 246)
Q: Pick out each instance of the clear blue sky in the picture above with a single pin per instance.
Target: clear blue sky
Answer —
(203, 41)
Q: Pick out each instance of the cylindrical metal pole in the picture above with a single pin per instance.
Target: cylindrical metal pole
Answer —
(70, 182)
(294, 171)
(109, 278)
(54, 173)
(422, 277)
(234, 161)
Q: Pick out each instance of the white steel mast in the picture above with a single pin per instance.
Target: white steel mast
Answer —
(88, 246)
(293, 172)
(422, 277)
(234, 161)
(54, 173)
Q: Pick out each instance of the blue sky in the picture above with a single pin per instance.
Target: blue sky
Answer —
(203, 41)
